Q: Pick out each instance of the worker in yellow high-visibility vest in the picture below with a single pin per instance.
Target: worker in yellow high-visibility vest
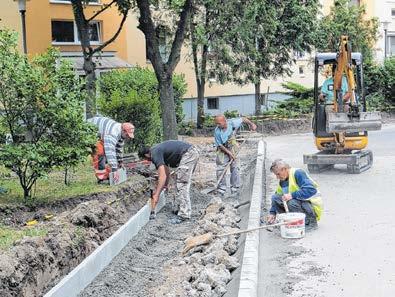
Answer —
(298, 190)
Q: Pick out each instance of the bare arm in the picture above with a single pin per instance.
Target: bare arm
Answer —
(226, 151)
(250, 124)
(161, 182)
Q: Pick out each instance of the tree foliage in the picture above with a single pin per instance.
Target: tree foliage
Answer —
(380, 85)
(351, 20)
(132, 95)
(42, 107)
(261, 39)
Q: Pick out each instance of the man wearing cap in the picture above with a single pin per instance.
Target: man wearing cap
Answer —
(109, 148)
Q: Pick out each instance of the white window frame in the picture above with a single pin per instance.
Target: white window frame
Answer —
(389, 36)
(76, 38)
(217, 101)
(99, 2)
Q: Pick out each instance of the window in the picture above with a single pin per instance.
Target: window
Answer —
(66, 32)
(393, 12)
(301, 70)
(211, 76)
(299, 55)
(213, 103)
(62, 31)
(355, 2)
(391, 45)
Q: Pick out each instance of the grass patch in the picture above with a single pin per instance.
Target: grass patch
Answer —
(8, 236)
(52, 188)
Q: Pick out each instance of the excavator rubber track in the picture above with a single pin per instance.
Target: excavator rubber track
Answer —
(357, 162)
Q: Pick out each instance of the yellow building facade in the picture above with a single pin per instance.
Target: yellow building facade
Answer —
(51, 23)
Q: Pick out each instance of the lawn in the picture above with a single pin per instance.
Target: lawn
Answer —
(8, 235)
(52, 187)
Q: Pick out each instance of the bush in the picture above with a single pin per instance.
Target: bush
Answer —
(231, 114)
(380, 85)
(132, 95)
(142, 108)
(42, 111)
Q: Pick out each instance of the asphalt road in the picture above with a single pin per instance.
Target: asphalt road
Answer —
(353, 251)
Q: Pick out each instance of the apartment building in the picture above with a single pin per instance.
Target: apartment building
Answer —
(51, 23)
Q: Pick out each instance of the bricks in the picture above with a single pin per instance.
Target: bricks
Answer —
(249, 272)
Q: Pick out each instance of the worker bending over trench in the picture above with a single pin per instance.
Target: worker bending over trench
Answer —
(175, 154)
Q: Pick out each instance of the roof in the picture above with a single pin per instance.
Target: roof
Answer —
(105, 61)
(329, 58)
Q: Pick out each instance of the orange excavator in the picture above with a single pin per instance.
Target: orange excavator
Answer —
(341, 126)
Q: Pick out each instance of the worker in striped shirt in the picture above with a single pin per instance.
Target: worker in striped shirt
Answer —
(109, 148)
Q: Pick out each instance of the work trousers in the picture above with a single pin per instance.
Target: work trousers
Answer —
(102, 170)
(222, 161)
(294, 205)
(182, 200)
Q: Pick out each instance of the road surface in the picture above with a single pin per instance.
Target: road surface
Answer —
(353, 252)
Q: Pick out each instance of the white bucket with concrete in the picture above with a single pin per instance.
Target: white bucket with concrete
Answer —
(295, 229)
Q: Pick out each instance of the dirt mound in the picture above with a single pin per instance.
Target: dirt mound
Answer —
(33, 265)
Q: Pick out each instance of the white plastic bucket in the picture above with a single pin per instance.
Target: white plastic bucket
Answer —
(296, 229)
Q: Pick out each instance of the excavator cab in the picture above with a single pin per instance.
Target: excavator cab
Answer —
(341, 121)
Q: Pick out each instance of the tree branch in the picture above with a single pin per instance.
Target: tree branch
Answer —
(100, 11)
(99, 48)
(147, 26)
(174, 57)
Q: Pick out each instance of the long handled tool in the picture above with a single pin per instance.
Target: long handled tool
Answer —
(221, 177)
(208, 237)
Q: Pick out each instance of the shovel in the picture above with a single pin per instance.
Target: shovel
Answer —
(208, 237)
(209, 190)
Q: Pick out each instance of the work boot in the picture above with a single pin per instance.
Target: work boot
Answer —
(177, 220)
(221, 193)
(234, 191)
(311, 223)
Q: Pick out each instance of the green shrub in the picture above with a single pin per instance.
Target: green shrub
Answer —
(380, 84)
(142, 108)
(377, 102)
(231, 114)
(132, 95)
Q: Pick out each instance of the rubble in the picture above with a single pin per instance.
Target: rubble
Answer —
(209, 267)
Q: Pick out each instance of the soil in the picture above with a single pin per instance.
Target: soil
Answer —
(152, 264)
(34, 264)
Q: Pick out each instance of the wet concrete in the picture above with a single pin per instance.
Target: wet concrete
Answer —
(351, 254)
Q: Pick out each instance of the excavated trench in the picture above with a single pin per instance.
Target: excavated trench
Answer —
(152, 265)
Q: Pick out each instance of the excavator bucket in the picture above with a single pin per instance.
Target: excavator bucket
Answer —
(342, 122)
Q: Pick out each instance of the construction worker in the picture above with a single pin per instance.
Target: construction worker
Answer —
(298, 190)
(175, 154)
(108, 154)
(327, 89)
(225, 141)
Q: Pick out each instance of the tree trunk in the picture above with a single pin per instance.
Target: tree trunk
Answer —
(89, 68)
(200, 104)
(66, 176)
(168, 107)
(258, 98)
